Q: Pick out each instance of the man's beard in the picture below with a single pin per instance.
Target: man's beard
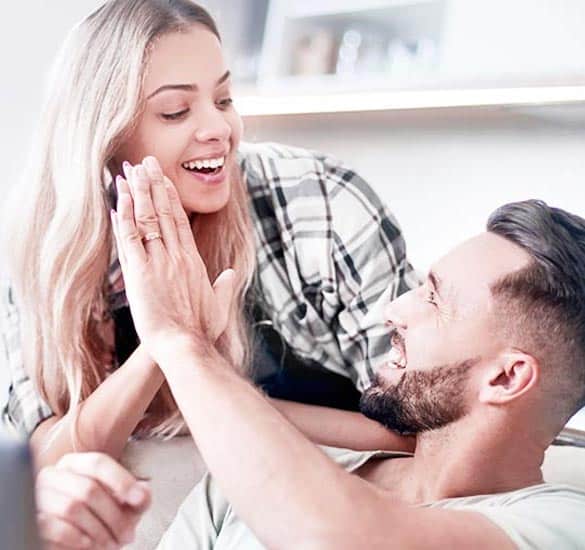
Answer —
(421, 401)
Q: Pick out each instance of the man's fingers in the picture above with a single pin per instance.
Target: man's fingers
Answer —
(161, 203)
(223, 288)
(128, 238)
(60, 532)
(56, 504)
(107, 471)
(119, 519)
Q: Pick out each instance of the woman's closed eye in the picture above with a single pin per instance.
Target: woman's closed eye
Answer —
(178, 115)
(175, 116)
(431, 297)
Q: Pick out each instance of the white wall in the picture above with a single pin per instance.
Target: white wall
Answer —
(519, 39)
(443, 173)
(31, 34)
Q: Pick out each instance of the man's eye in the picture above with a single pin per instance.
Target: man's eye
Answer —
(225, 103)
(175, 116)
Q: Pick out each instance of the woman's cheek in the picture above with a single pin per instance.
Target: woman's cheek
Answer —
(237, 125)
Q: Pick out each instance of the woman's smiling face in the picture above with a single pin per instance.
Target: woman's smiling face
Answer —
(188, 121)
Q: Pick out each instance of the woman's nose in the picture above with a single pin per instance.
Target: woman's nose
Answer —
(212, 126)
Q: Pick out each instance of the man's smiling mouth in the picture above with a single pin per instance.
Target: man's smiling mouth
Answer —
(397, 355)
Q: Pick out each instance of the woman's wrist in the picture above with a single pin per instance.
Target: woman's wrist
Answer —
(142, 356)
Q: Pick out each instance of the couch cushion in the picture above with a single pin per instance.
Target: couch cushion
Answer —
(565, 464)
(174, 467)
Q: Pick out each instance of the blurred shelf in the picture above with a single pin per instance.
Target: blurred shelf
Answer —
(335, 7)
(264, 105)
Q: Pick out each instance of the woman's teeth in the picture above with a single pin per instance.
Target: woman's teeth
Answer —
(396, 359)
(204, 165)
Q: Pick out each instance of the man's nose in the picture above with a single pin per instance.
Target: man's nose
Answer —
(212, 126)
(395, 313)
(408, 309)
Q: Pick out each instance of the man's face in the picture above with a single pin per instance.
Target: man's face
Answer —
(442, 334)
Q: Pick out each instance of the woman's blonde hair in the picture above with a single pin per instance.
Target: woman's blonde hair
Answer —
(60, 238)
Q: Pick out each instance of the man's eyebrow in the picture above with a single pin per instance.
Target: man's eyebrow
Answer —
(436, 282)
(187, 87)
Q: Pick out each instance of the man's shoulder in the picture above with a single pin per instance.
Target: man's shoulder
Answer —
(544, 493)
(540, 516)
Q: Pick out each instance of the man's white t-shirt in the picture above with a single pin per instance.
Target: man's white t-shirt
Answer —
(540, 517)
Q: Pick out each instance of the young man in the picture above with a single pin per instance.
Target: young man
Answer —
(488, 364)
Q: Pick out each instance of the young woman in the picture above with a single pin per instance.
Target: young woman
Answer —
(312, 246)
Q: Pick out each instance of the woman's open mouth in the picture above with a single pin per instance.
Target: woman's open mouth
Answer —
(206, 170)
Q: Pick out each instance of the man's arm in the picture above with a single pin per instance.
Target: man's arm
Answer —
(288, 492)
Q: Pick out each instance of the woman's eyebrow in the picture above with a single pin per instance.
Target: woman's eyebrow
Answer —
(186, 87)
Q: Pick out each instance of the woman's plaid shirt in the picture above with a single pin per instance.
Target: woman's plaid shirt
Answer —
(329, 256)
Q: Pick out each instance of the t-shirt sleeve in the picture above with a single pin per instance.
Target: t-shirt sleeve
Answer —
(206, 520)
(24, 409)
(555, 518)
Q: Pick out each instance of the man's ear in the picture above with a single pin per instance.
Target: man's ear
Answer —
(512, 374)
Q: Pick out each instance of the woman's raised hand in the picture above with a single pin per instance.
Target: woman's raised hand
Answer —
(167, 285)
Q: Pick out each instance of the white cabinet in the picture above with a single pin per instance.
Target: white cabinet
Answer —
(312, 56)
(349, 45)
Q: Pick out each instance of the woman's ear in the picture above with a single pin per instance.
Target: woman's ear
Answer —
(513, 374)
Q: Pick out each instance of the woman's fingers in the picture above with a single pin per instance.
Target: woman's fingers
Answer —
(114, 220)
(144, 213)
(182, 222)
(223, 288)
(127, 236)
(161, 203)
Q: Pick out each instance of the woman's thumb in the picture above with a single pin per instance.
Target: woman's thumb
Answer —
(223, 288)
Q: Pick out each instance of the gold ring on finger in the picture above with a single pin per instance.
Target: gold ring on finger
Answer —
(152, 236)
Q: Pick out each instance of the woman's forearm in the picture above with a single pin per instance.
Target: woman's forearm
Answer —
(107, 417)
(338, 428)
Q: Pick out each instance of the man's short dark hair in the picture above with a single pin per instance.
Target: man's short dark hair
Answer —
(542, 307)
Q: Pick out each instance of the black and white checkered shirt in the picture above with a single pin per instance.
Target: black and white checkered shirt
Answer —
(329, 256)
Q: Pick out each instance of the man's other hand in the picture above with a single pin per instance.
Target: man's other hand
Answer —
(87, 500)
